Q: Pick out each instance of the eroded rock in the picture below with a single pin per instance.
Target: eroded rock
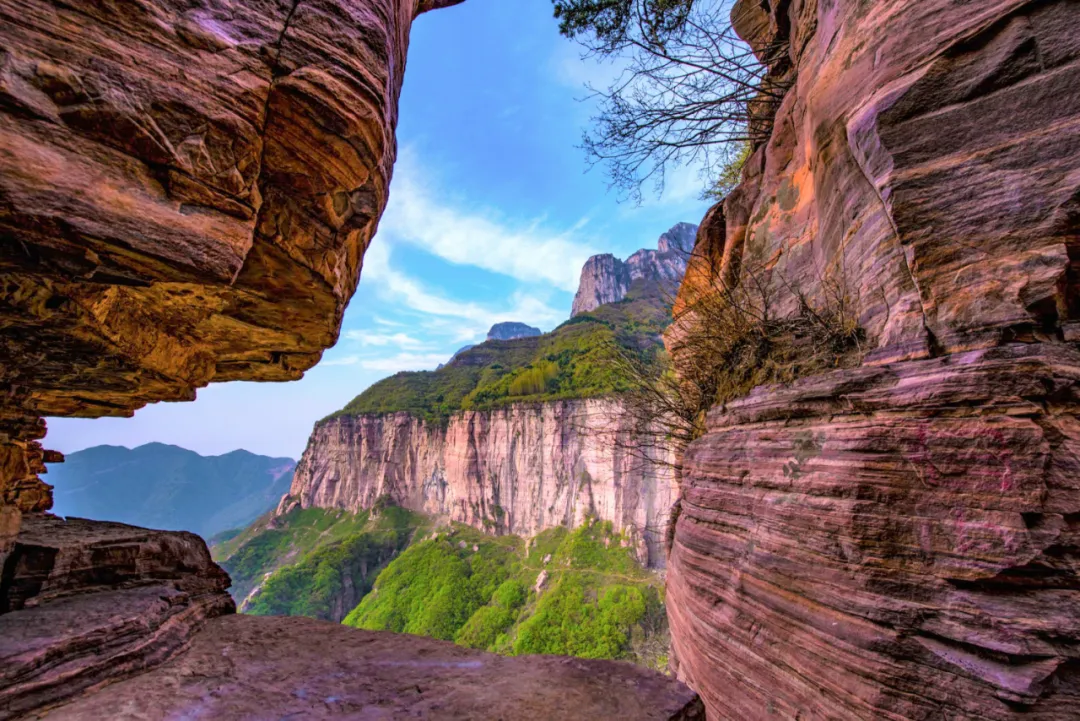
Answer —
(83, 603)
(900, 540)
(186, 194)
(241, 666)
(517, 470)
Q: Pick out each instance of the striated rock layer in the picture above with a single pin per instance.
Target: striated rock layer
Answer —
(85, 602)
(515, 470)
(606, 279)
(900, 540)
(186, 192)
(301, 668)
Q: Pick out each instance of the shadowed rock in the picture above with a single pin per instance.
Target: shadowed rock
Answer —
(243, 665)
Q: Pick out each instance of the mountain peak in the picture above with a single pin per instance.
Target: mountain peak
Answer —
(510, 330)
(606, 279)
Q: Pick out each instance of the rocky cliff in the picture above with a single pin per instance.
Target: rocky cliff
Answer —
(186, 193)
(606, 279)
(901, 539)
(517, 470)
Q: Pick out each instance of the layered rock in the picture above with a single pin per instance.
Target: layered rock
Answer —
(606, 279)
(186, 193)
(243, 665)
(899, 540)
(85, 602)
(515, 470)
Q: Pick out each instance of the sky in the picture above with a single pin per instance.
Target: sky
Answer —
(492, 213)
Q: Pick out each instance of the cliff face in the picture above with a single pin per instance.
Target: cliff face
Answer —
(606, 279)
(186, 193)
(515, 470)
(900, 540)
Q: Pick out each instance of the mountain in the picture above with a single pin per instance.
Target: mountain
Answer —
(606, 279)
(511, 331)
(168, 487)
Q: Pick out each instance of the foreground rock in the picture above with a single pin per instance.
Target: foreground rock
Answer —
(86, 602)
(245, 667)
(519, 469)
(900, 540)
(186, 194)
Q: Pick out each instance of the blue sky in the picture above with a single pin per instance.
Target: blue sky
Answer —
(491, 215)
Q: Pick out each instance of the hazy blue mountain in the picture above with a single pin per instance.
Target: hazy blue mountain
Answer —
(511, 330)
(168, 487)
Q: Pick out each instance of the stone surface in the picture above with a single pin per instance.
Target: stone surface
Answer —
(241, 666)
(186, 193)
(515, 470)
(900, 540)
(511, 330)
(83, 603)
(606, 279)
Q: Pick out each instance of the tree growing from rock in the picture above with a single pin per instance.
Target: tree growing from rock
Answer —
(684, 92)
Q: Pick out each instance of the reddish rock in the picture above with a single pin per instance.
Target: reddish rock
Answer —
(186, 194)
(901, 540)
(241, 666)
(83, 603)
(519, 469)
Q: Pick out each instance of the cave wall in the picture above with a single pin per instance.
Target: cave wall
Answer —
(901, 539)
(187, 188)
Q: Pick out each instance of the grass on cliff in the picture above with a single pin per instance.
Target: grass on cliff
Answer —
(307, 561)
(480, 591)
(569, 362)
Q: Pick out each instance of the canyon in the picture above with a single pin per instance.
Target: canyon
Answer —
(901, 539)
(187, 191)
(517, 470)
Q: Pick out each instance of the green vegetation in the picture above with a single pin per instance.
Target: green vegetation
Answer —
(314, 562)
(569, 362)
(479, 591)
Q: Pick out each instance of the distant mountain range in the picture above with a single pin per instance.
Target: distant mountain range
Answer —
(167, 487)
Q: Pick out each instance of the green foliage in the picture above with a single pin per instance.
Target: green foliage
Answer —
(331, 578)
(569, 362)
(596, 601)
(311, 556)
(567, 622)
(730, 173)
(610, 21)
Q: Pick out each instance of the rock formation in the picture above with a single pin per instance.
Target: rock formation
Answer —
(329, 671)
(511, 331)
(902, 539)
(515, 470)
(186, 193)
(606, 279)
(85, 602)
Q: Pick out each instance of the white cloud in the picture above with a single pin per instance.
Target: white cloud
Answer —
(408, 291)
(401, 340)
(427, 218)
(405, 362)
(348, 360)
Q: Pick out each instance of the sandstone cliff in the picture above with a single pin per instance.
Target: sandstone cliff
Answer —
(606, 279)
(186, 193)
(900, 540)
(517, 470)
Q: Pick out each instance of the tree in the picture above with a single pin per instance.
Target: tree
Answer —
(689, 93)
